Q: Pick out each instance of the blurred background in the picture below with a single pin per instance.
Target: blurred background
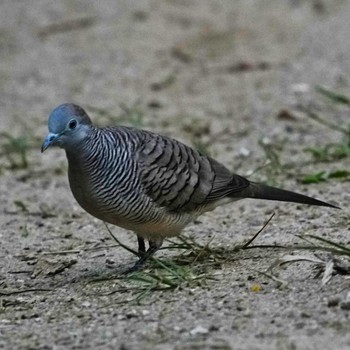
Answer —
(261, 85)
(221, 75)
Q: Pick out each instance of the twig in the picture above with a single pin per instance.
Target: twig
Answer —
(274, 278)
(77, 251)
(3, 292)
(322, 121)
(61, 252)
(161, 264)
(245, 245)
(298, 247)
(265, 246)
(334, 244)
(120, 243)
(18, 272)
(205, 248)
(65, 26)
(334, 96)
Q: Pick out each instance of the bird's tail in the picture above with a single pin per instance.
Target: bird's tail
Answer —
(260, 191)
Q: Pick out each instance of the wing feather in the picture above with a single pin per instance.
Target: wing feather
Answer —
(181, 179)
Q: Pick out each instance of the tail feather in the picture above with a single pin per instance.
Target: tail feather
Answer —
(260, 191)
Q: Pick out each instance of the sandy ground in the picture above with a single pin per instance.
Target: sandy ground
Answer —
(215, 74)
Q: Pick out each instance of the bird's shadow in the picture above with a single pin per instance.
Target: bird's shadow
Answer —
(204, 258)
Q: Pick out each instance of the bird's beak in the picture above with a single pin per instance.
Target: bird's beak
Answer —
(49, 141)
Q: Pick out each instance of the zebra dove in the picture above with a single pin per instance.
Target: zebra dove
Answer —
(145, 182)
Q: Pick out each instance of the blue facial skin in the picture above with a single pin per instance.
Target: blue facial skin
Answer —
(59, 124)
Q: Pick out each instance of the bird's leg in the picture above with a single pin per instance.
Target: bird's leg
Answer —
(144, 256)
(142, 247)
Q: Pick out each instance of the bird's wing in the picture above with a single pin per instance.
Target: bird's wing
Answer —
(179, 178)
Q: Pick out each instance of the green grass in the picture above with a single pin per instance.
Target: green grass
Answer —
(194, 266)
(14, 149)
(161, 275)
(323, 176)
(196, 263)
(333, 96)
(329, 153)
(272, 165)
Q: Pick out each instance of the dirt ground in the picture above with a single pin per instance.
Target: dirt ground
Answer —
(229, 77)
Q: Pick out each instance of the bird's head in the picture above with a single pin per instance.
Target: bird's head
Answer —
(68, 125)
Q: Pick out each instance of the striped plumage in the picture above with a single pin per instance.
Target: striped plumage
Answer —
(106, 179)
(145, 182)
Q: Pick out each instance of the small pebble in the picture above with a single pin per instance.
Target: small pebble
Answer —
(199, 330)
(333, 301)
(110, 261)
(345, 305)
(244, 152)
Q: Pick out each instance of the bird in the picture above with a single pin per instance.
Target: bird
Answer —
(145, 182)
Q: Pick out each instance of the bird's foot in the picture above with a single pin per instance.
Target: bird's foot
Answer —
(135, 268)
(144, 256)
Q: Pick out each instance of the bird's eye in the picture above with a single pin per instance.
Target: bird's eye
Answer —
(72, 124)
